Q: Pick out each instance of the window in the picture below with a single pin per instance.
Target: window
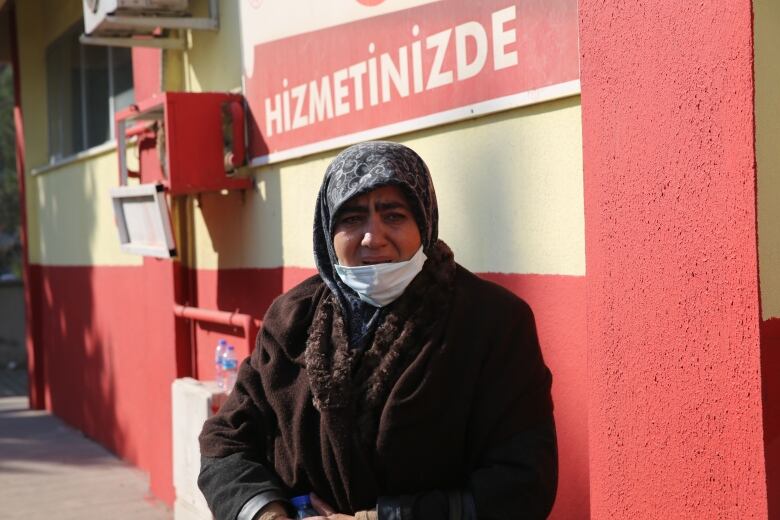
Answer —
(86, 85)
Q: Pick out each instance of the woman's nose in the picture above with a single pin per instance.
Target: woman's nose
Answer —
(369, 240)
(373, 235)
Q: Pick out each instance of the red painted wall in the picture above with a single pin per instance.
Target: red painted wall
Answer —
(110, 358)
(147, 66)
(675, 408)
(32, 337)
(559, 306)
(770, 370)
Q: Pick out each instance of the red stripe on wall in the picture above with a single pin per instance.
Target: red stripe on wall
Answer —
(32, 339)
(110, 355)
(559, 307)
(770, 370)
(247, 291)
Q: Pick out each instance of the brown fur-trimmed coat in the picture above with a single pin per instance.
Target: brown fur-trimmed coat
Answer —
(452, 386)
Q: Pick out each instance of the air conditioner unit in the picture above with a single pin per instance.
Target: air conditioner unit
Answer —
(119, 17)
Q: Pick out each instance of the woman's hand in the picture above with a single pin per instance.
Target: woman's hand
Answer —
(326, 510)
(273, 511)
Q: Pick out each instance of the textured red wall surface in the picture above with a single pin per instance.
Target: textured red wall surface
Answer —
(110, 359)
(559, 307)
(675, 415)
(770, 370)
(32, 337)
(147, 64)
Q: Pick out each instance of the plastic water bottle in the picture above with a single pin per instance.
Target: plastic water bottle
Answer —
(303, 507)
(229, 369)
(218, 352)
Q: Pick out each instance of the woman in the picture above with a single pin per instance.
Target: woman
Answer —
(394, 384)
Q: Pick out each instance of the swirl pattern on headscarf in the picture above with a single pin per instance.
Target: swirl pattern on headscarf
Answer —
(359, 169)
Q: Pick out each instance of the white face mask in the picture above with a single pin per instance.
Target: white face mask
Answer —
(381, 284)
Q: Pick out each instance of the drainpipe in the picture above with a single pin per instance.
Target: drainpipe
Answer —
(35, 371)
(185, 287)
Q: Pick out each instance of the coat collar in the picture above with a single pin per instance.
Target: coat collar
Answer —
(351, 381)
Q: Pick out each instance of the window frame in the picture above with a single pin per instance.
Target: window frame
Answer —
(56, 154)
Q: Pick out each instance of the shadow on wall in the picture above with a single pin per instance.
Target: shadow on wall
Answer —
(78, 375)
(86, 316)
(243, 226)
(78, 356)
(770, 368)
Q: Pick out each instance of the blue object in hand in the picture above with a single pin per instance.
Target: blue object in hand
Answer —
(303, 507)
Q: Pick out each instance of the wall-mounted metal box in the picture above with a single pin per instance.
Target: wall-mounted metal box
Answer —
(197, 141)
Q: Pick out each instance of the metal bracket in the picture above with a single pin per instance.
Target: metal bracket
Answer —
(153, 22)
(156, 42)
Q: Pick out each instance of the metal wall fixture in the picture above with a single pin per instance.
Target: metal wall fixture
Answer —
(129, 28)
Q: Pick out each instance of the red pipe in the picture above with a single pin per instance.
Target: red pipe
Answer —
(36, 384)
(232, 319)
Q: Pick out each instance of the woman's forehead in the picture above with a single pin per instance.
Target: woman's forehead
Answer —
(383, 194)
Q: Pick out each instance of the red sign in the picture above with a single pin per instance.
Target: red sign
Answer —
(409, 69)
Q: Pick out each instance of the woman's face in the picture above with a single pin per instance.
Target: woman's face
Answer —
(374, 228)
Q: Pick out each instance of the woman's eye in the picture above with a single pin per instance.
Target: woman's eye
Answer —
(396, 217)
(350, 219)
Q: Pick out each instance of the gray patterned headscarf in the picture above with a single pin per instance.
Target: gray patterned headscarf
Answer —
(359, 169)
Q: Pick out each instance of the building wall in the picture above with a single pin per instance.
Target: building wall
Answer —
(510, 193)
(664, 357)
(510, 197)
(675, 414)
(213, 61)
(75, 219)
(510, 189)
(766, 28)
(104, 319)
(767, 71)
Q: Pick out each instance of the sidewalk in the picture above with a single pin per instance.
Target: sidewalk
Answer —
(49, 470)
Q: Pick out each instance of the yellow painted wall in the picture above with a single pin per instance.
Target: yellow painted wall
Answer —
(70, 220)
(76, 218)
(767, 72)
(39, 22)
(213, 63)
(509, 187)
(509, 184)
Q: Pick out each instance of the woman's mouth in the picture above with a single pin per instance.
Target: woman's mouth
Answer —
(377, 260)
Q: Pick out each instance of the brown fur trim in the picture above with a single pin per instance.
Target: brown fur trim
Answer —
(328, 358)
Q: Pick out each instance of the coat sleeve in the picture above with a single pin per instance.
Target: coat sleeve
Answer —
(517, 479)
(234, 467)
(237, 487)
(512, 439)
(235, 443)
